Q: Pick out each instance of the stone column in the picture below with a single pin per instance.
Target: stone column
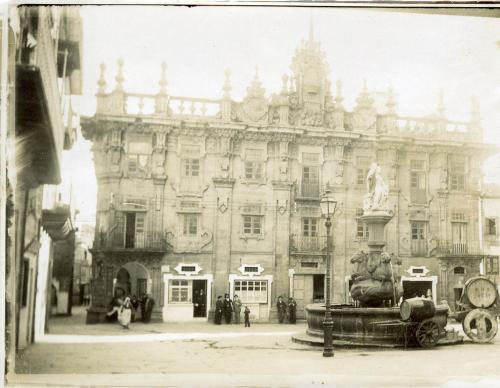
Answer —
(222, 235)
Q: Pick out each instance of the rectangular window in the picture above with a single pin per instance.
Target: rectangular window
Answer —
(362, 168)
(134, 229)
(252, 225)
(190, 167)
(251, 291)
(190, 224)
(138, 156)
(253, 170)
(418, 231)
(310, 227)
(459, 237)
(190, 161)
(457, 173)
(491, 226)
(310, 181)
(491, 265)
(418, 184)
(418, 239)
(180, 291)
(361, 227)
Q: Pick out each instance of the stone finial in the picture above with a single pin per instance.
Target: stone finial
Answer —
(284, 88)
(440, 104)
(255, 89)
(391, 102)
(102, 79)
(119, 76)
(364, 99)
(475, 113)
(227, 84)
(338, 97)
(163, 79)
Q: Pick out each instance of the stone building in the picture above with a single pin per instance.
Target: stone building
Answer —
(82, 270)
(211, 196)
(490, 201)
(44, 63)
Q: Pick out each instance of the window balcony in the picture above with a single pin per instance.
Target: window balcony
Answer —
(462, 248)
(308, 190)
(117, 239)
(419, 248)
(307, 244)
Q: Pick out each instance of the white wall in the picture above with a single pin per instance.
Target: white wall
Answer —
(42, 286)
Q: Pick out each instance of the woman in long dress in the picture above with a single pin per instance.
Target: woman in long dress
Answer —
(125, 313)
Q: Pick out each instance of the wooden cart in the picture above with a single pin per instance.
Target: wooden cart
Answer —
(478, 309)
(418, 325)
(424, 334)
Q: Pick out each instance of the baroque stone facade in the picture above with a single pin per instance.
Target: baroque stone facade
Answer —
(223, 196)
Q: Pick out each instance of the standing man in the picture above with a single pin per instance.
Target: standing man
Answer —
(247, 316)
(218, 310)
(292, 308)
(227, 308)
(237, 309)
(281, 309)
(147, 305)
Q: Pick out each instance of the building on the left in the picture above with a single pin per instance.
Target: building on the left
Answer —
(41, 61)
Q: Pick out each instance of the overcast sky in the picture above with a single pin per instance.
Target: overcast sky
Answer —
(418, 54)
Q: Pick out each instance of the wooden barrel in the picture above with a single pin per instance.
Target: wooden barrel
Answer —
(417, 309)
(480, 292)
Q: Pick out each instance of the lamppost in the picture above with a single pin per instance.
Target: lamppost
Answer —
(328, 207)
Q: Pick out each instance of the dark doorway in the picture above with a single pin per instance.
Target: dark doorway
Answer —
(318, 288)
(129, 230)
(199, 298)
(417, 288)
(123, 282)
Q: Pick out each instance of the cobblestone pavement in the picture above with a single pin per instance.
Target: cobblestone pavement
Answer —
(263, 355)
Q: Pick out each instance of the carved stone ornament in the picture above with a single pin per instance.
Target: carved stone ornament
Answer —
(418, 271)
(251, 269)
(223, 204)
(364, 119)
(282, 206)
(254, 107)
(188, 269)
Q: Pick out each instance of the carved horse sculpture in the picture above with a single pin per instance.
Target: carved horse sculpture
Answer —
(373, 279)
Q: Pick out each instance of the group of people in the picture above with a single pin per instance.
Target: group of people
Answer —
(284, 308)
(226, 307)
(127, 309)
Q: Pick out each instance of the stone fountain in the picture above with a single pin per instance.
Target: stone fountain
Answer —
(375, 288)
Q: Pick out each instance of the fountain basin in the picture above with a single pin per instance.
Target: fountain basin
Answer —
(359, 326)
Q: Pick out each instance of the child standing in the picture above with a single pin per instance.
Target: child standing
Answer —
(247, 316)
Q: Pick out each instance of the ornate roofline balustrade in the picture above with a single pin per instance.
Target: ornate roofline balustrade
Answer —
(304, 102)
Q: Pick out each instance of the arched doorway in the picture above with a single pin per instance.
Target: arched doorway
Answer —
(134, 278)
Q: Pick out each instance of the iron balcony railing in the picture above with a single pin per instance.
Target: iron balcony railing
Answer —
(462, 248)
(307, 243)
(309, 190)
(117, 239)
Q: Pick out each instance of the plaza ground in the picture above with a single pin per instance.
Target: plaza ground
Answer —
(203, 354)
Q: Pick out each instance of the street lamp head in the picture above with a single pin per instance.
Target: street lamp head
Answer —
(328, 204)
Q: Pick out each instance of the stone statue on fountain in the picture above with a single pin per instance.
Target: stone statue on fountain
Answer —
(376, 273)
(376, 197)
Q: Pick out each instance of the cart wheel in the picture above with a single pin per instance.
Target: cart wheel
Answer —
(427, 333)
(480, 325)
